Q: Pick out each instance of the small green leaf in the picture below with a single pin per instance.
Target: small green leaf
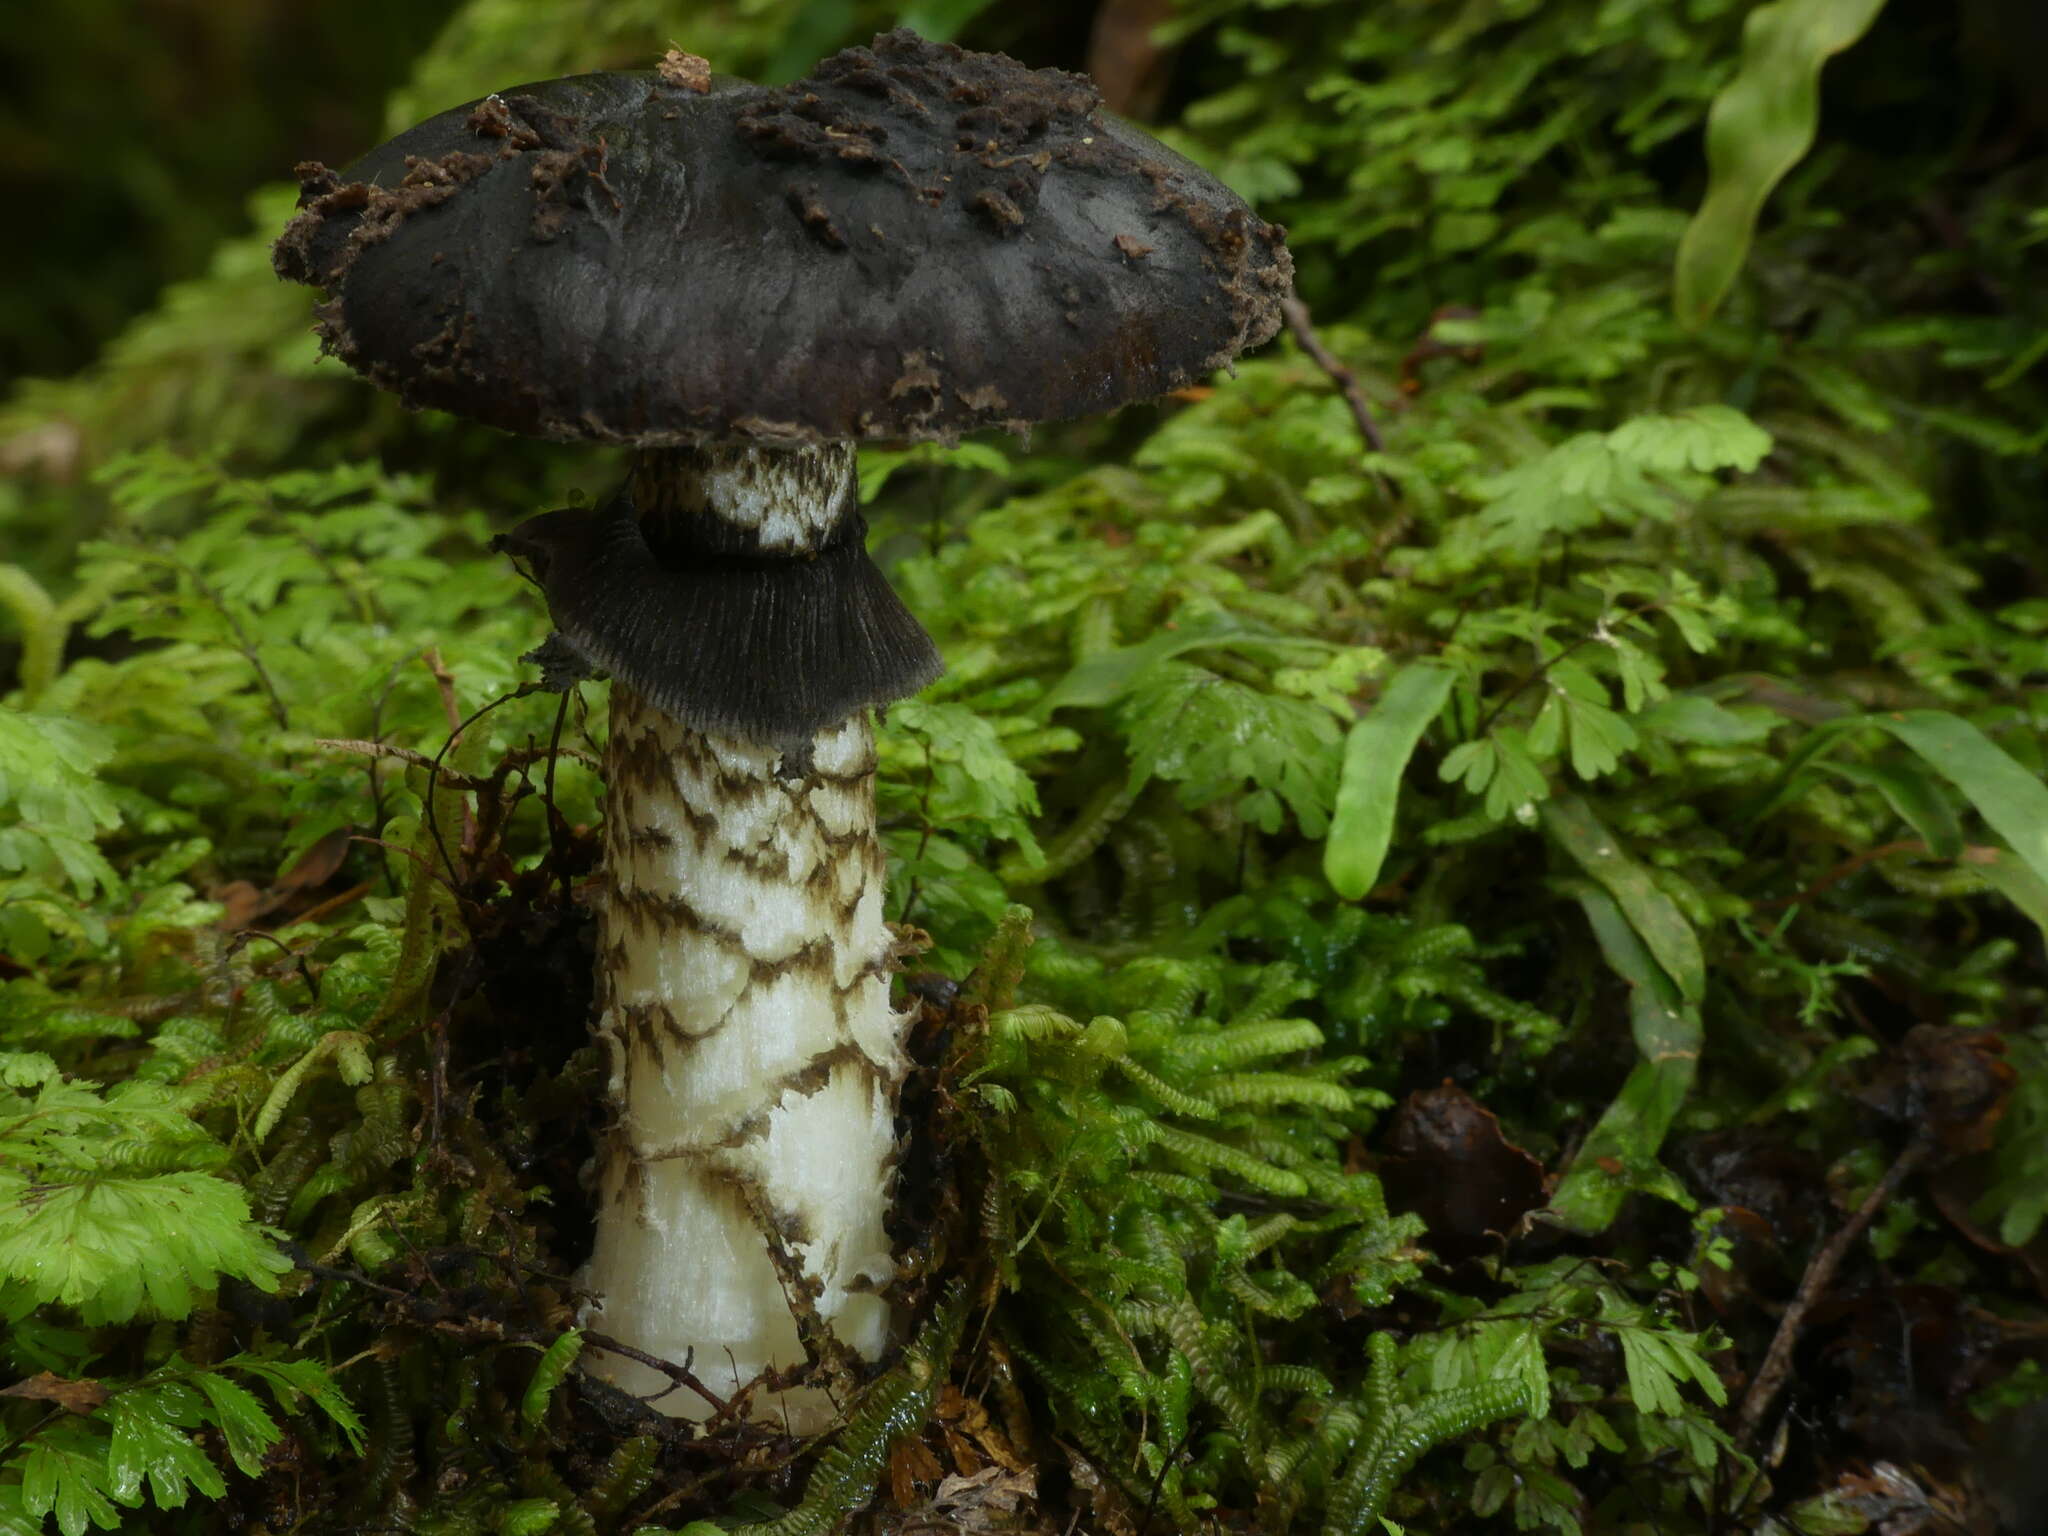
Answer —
(2011, 799)
(289, 1380)
(554, 1365)
(1502, 768)
(526, 1517)
(64, 1472)
(243, 1423)
(1704, 438)
(1688, 717)
(1827, 1514)
(348, 1049)
(1619, 1155)
(1655, 916)
(1761, 125)
(1213, 736)
(1108, 677)
(2013, 880)
(1376, 754)
(1920, 802)
(115, 1248)
(153, 1443)
(1651, 1385)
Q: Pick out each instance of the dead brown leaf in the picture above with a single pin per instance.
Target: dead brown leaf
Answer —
(1960, 1083)
(968, 1417)
(79, 1397)
(910, 1463)
(970, 1501)
(685, 70)
(292, 894)
(1898, 1505)
(1447, 1160)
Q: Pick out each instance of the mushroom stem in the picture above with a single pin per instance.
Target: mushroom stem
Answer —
(744, 969)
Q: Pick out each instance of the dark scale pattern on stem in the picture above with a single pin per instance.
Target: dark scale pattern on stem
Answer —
(754, 1050)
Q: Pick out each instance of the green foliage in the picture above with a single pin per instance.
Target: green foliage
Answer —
(555, 1363)
(58, 807)
(1761, 125)
(1111, 1147)
(1646, 736)
(108, 1204)
(897, 1404)
(136, 1450)
(1375, 755)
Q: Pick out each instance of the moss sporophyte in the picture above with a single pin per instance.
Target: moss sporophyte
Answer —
(743, 284)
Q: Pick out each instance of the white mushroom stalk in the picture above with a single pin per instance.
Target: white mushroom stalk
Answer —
(744, 969)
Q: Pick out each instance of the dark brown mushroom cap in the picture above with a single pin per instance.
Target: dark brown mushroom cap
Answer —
(912, 243)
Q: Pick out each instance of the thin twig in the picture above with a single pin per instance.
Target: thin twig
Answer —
(1542, 668)
(9, 1448)
(1842, 871)
(243, 643)
(1166, 1465)
(681, 1375)
(1304, 333)
(244, 935)
(437, 1312)
(554, 817)
(444, 680)
(434, 769)
(379, 750)
(1820, 1271)
(423, 864)
(330, 906)
(518, 757)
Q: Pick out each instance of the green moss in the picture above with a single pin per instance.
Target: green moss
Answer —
(1732, 777)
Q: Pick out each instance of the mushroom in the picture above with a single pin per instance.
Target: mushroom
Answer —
(742, 284)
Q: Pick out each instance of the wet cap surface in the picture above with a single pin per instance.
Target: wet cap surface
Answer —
(911, 243)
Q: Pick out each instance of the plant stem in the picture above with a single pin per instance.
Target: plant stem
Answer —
(1820, 1271)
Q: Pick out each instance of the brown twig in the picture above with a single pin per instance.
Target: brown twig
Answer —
(1542, 668)
(1304, 333)
(247, 936)
(1843, 871)
(518, 757)
(680, 1375)
(435, 770)
(1820, 1271)
(434, 1313)
(1305, 337)
(444, 680)
(330, 906)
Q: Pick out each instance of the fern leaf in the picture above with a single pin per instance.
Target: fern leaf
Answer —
(115, 1248)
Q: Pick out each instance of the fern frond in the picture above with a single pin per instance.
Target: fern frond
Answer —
(1263, 1090)
(1395, 1435)
(1194, 1106)
(1241, 1044)
(896, 1405)
(1243, 1166)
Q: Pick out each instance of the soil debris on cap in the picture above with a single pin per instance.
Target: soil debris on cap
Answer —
(625, 258)
(686, 71)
